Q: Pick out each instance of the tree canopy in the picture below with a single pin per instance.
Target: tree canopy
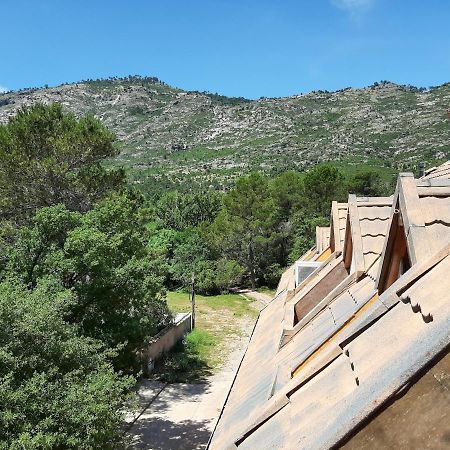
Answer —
(80, 287)
(48, 157)
(255, 229)
(103, 258)
(58, 389)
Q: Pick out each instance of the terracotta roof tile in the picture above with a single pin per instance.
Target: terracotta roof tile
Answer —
(442, 171)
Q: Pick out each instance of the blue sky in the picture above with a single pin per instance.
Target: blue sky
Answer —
(248, 48)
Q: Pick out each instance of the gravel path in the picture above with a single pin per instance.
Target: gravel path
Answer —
(182, 416)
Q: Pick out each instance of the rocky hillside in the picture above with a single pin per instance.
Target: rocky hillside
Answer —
(168, 136)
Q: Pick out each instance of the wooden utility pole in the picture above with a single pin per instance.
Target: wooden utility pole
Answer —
(193, 300)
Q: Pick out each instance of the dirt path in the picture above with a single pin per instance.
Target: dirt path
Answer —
(182, 416)
(261, 299)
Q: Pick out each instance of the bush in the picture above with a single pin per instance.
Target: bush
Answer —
(199, 342)
(186, 362)
(58, 389)
(205, 276)
(229, 274)
(102, 257)
(272, 275)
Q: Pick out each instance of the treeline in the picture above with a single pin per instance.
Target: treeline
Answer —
(250, 234)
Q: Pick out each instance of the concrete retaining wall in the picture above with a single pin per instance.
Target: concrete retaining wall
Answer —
(166, 339)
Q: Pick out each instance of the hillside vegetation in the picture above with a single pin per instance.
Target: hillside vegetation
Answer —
(173, 139)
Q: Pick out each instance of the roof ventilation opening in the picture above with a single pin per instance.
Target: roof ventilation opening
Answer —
(397, 260)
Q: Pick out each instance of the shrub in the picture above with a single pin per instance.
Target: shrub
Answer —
(186, 362)
(57, 388)
(102, 257)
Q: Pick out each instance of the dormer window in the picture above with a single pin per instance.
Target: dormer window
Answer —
(303, 269)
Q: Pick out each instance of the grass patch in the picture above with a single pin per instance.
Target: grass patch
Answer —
(235, 304)
(187, 362)
(200, 342)
(352, 166)
(207, 346)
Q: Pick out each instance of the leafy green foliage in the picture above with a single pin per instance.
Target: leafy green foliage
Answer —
(49, 157)
(57, 387)
(265, 224)
(288, 193)
(178, 211)
(305, 233)
(102, 257)
(243, 227)
(321, 186)
(228, 273)
(369, 184)
(251, 232)
(187, 361)
(80, 287)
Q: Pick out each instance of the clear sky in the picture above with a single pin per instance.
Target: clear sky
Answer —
(248, 48)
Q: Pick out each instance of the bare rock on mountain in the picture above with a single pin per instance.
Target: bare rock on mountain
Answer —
(168, 136)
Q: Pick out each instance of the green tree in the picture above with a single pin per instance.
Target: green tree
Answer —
(189, 255)
(228, 274)
(179, 211)
(103, 257)
(304, 226)
(368, 184)
(288, 194)
(49, 157)
(322, 185)
(243, 228)
(58, 389)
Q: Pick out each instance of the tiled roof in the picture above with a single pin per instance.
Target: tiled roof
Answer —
(342, 214)
(338, 225)
(424, 209)
(287, 281)
(442, 171)
(319, 375)
(434, 204)
(367, 225)
(254, 381)
(322, 239)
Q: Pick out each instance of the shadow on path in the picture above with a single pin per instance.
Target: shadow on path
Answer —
(160, 434)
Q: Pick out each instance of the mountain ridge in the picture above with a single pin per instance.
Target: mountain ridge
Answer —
(172, 138)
